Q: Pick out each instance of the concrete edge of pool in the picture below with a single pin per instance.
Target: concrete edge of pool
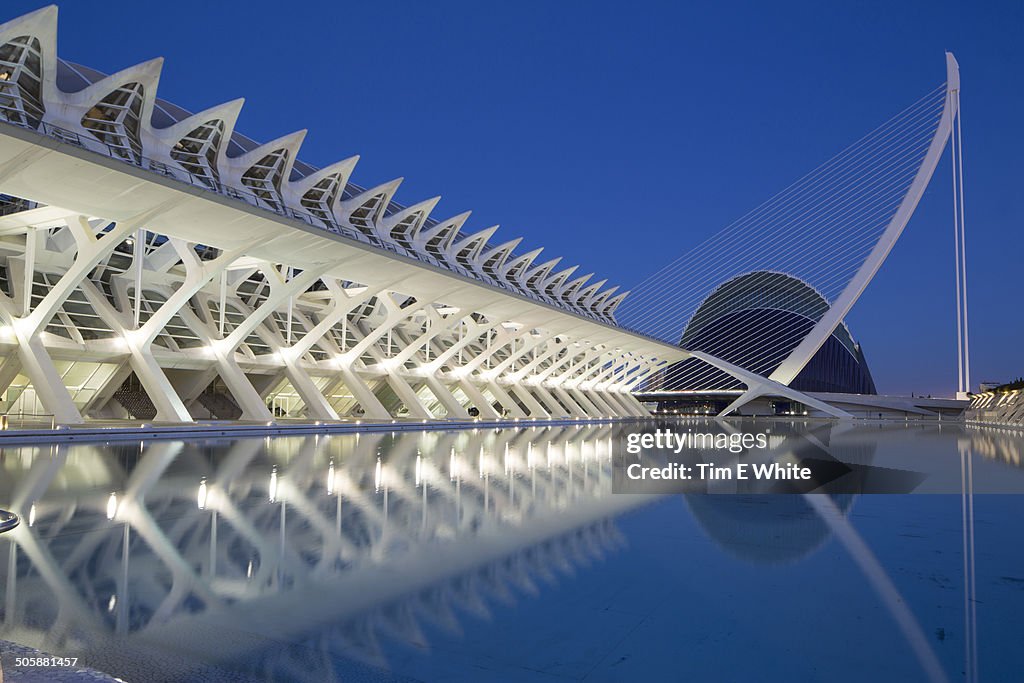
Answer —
(94, 432)
(119, 431)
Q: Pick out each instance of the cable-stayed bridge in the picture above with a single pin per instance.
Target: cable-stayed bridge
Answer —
(763, 300)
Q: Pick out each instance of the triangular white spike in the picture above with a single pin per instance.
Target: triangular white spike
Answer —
(161, 143)
(324, 203)
(423, 208)
(226, 112)
(599, 298)
(342, 168)
(504, 247)
(388, 189)
(356, 213)
(535, 278)
(112, 128)
(147, 73)
(30, 24)
(495, 258)
(480, 236)
(543, 269)
(42, 26)
(263, 188)
(290, 142)
(554, 282)
(586, 294)
(571, 288)
(609, 308)
(519, 265)
(450, 227)
(468, 249)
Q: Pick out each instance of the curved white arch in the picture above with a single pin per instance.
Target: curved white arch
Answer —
(804, 351)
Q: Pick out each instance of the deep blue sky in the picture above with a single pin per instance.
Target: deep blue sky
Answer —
(617, 134)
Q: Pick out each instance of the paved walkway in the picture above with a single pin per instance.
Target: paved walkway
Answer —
(92, 431)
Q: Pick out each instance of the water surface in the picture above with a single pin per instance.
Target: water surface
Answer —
(504, 555)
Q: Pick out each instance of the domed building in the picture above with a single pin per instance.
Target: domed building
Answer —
(755, 321)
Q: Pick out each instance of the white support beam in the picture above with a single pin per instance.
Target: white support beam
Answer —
(763, 386)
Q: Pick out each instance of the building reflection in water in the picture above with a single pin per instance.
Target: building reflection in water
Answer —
(775, 529)
(287, 558)
(283, 556)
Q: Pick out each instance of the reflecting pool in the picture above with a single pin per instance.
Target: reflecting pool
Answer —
(504, 555)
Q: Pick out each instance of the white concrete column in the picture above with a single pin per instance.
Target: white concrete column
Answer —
(317, 405)
(588, 406)
(161, 392)
(169, 406)
(574, 409)
(600, 400)
(536, 409)
(506, 401)
(35, 360)
(632, 401)
(10, 366)
(631, 405)
(408, 396)
(47, 382)
(557, 410)
(371, 405)
(549, 354)
(447, 399)
(245, 394)
(478, 399)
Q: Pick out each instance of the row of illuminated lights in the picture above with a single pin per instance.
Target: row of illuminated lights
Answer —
(1007, 450)
(6, 331)
(131, 339)
(456, 471)
(346, 359)
(501, 420)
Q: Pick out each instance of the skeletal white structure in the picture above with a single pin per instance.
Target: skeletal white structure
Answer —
(832, 230)
(157, 264)
(327, 541)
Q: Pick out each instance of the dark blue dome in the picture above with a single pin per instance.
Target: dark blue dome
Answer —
(755, 321)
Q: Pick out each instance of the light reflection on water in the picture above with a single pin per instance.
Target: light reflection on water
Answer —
(309, 558)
